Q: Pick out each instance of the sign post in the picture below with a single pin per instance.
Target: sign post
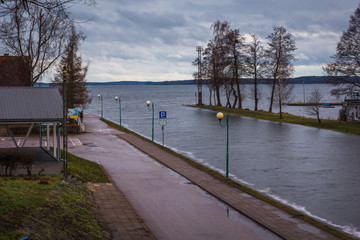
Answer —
(162, 122)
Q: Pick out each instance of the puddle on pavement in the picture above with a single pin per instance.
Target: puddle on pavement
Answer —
(90, 144)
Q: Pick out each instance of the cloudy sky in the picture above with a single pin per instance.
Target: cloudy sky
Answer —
(155, 40)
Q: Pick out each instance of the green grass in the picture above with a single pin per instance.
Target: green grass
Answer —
(311, 104)
(67, 214)
(45, 207)
(335, 125)
(19, 197)
(85, 170)
(325, 227)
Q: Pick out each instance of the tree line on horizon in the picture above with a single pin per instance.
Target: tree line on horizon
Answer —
(229, 60)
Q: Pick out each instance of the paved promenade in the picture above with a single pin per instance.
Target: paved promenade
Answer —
(173, 207)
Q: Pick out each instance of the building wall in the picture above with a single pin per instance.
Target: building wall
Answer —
(13, 71)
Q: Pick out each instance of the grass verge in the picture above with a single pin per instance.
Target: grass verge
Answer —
(45, 207)
(311, 104)
(67, 214)
(85, 170)
(321, 225)
(335, 125)
(20, 197)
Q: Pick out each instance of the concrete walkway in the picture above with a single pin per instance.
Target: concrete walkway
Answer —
(173, 208)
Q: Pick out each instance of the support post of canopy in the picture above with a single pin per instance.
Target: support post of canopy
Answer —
(27, 134)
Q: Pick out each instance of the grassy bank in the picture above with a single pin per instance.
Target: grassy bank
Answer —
(335, 125)
(311, 104)
(85, 170)
(20, 197)
(243, 188)
(46, 207)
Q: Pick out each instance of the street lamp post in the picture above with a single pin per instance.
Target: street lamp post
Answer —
(116, 99)
(64, 124)
(151, 109)
(101, 99)
(220, 116)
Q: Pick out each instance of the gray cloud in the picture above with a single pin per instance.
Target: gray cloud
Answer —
(163, 32)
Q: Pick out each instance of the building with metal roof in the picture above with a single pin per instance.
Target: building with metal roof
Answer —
(32, 105)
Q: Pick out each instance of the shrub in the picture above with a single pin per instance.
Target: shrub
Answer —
(10, 159)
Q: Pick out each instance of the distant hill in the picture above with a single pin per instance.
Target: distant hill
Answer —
(298, 80)
(309, 79)
(177, 82)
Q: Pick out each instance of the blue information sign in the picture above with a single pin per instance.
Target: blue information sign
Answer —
(162, 115)
(73, 113)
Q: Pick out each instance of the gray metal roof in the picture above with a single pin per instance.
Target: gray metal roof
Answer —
(30, 104)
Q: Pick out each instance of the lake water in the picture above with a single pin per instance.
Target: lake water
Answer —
(315, 171)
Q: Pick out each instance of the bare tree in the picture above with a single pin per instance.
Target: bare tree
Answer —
(9, 6)
(35, 35)
(223, 63)
(280, 55)
(344, 72)
(235, 43)
(220, 33)
(286, 93)
(255, 62)
(214, 66)
(210, 68)
(36, 30)
(314, 100)
(77, 93)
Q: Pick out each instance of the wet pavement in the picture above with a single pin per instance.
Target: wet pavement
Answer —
(174, 207)
(117, 212)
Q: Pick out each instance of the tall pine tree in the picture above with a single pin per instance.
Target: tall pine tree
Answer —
(77, 94)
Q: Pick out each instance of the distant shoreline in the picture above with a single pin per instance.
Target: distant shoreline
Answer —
(297, 80)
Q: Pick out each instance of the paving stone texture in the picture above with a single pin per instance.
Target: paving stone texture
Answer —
(118, 213)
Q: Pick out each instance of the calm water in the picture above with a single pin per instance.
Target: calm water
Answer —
(313, 170)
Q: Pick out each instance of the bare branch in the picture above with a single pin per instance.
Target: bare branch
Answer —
(314, 100)
(344, 72)
(36, 33)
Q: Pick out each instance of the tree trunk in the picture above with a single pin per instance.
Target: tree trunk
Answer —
(280, 98)
(228, 104)
(237, 86)
(272, 95)
(217, 89)
(214, 99)
(235, 98)
(239, 94)
(318, 117)
(256, 94)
